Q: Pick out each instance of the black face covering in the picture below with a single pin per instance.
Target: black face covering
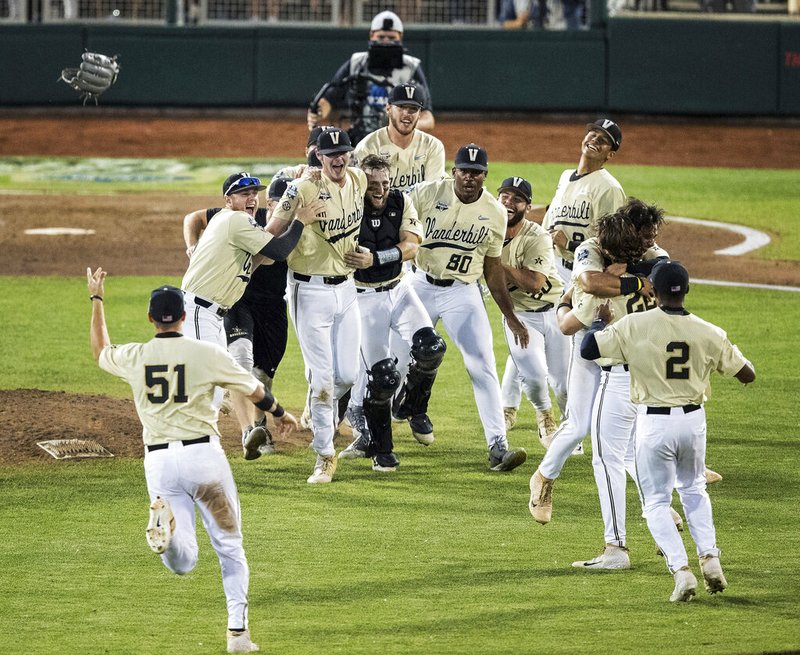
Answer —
(384, 57)
(313, 160)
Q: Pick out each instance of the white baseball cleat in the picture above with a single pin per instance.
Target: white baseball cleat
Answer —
(685, 585)
(541, 500)
(676, 519)
(510, 416)
(547, 427)
(613, 558)
(323, 470)
(712, 476)
(712, 574)
(161, 526)
(305, 418)
(239, 642)
(578, 450)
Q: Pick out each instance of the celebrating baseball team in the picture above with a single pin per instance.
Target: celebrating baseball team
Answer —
(372, 247)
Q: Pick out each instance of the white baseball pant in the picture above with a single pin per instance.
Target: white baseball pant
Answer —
(583, 378)
(328, 326)
(199, 474)
(669, 448)
(613, 424)
(461, 309)
(205, 324)
(397, 312)
(547, 356)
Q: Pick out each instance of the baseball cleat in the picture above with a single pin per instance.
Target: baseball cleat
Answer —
(547, 427)
(541, 500)
(712, 476)
(422, 429)
(502, 458)
(239, 642)
(345, 427)
(685, 585)
(252, 440)
(385, 462)
(323, 470)
(359, 448)
(613, 558)
(713, 577)
(305, 418)
(510, 415)
(161, 526)
(578, 450)
(676, 519)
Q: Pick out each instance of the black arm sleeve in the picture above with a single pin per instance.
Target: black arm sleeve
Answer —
(589, 349)
(278, 248)
(644, 267)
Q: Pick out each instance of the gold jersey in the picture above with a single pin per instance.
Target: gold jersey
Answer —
(457, 236)
(422, 161)
(578, 204)
(173, 380)
(671, 355)
(222, 263)
(322, 245)
(532, 248)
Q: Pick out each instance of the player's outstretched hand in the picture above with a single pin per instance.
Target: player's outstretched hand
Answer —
(95, 282)
(519, 331)
(312, 212)
(286, 424)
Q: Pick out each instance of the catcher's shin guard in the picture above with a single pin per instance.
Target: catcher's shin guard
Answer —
(427, 352)
(383, 382)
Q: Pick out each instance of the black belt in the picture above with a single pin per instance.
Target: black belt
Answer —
(330, 279)
(185, 442)
(607, 369)
(207, 304)
(667, 410)
(546, 308)
(439, 283)
(385, 287)
(566, 264)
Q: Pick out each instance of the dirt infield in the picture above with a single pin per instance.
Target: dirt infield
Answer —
(141, 234)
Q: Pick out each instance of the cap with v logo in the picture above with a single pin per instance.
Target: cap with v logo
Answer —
(333, 142)
(609, 128)
(407, 94)
(518, 185)
(472, 157)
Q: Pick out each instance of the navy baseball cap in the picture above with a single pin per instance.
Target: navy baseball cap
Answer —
(407, 94)
(277, 188)
(313, 135)
(669, 277)
(472, 157)
(611, 130)
(166, 304)
(518, 185)
(333, 142)
(239, 182)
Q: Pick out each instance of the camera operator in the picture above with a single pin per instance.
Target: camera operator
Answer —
(359, 91)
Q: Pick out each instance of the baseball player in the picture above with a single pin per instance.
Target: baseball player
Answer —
(322, 296)
(361, 84)
(671, 355)
(413, 156)
(390, 234)
(256, 326)
(173, 381)
(584, 194)
(535, 287)
(464, 231)
(626, 236)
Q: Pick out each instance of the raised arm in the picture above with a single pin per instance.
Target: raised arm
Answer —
(193, 226)
(98, 332)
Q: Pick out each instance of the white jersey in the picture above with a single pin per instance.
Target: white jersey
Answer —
(322, 245)
(578, 204)
(671, 355)
(422, 161)
(222, 263)
(532, 248)
(457, 236)
(173, 379)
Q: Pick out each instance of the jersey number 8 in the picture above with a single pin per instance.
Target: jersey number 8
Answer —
(459, 263)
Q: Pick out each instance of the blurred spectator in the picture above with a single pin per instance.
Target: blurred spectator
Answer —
(574, 13)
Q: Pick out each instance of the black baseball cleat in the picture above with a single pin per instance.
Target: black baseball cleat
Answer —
(252, 440)
(502, 458)
(422, 429)
(385, 462)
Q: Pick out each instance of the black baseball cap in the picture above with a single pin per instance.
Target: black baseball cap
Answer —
(333, 142)
(277, 187)
(610, 128)
(313, 135)
(407, 94)
(669, 277)
(472, 157)
(166, 304)
(239, 182)
(519, 185)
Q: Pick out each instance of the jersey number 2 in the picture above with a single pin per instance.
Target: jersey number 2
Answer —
(675, 368)
(153, 379)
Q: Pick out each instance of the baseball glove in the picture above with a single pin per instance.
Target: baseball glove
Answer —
(94, 76)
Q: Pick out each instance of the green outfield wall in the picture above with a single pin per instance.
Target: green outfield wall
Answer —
(653, 66)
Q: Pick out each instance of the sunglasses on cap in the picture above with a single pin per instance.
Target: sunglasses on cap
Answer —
(243, 183)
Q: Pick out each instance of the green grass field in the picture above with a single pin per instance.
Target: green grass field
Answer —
(440, 557)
